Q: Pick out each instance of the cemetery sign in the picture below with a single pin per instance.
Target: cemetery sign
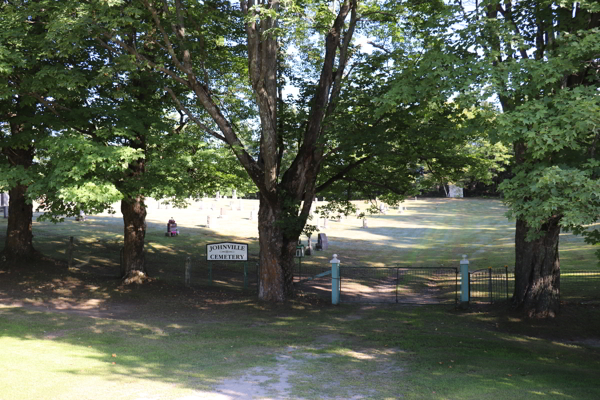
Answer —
(227, 251)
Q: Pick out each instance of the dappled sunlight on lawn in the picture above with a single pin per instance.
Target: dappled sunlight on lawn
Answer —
(432, 231)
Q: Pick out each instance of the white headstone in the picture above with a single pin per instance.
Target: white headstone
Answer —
(455, 191)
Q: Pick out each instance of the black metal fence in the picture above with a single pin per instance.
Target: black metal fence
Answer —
(414, 285)
(580, 286)
(368, 284)
(493, 284)
(411, 285)
(313, 279)
(236, 276)
(230, 275)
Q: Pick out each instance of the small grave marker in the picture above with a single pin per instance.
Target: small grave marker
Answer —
(322, 243)
(455, 191)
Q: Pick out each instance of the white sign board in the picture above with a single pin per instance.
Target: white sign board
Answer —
(227, 251)
(299, 252)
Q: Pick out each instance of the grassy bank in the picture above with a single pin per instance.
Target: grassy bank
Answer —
(80, 334)
(214, 349)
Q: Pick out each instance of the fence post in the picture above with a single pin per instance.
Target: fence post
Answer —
(506, 270)
(70, 252)
(188, 267)
(490, 284)
(246, 275)
(464, 280)
(335, 280)
(397, 282)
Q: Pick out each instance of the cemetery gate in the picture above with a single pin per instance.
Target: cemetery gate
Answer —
(403, 285)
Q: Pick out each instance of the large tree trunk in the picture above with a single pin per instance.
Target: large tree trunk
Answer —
(276, 254)
(537, 270)
(134, 219)
(19, 235)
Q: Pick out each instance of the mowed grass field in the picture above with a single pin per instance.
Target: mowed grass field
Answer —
(80, 334)
(432, 232)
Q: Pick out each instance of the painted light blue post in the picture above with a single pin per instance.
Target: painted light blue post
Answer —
(335, 280)
(464, 280)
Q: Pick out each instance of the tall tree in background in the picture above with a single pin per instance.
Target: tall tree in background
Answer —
(189, 35)
(134, 150)
(541, 60)
(33, 77)
(215, 56)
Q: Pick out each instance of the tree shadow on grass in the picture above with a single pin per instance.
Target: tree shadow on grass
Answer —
(166, 339)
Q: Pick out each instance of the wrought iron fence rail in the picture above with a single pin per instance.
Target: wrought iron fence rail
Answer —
(415, 285)
(493, 284)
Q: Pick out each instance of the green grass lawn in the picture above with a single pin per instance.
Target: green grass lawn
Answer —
(80, 334)
(432, 232)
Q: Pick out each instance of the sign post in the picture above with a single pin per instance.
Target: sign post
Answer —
(227, 251)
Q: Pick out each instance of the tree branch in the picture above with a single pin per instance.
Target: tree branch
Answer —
(170, 49)
(371, 183)
(139, 57)
(340, 175)
(191, 116)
